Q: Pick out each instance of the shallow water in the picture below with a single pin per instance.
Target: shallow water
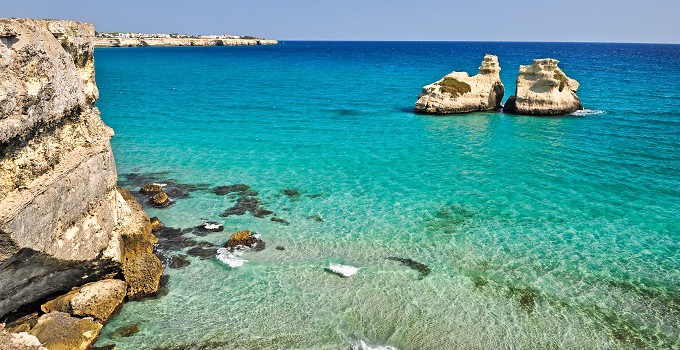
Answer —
(540, 233)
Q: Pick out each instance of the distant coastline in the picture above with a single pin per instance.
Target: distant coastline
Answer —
(138, 39)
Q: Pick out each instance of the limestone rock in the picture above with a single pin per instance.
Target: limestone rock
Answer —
(246, 239)
(543, 89)
(151, 189)
(97, 299)
(18, 341)
(458, 92)
(59, 331)
(160, 200)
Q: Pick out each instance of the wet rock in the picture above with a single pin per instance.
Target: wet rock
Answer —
(246, 239)
(280, 221)
(156, 224)
(315, 218)
(59, 331)
(173, 239)
(160, 200)
(97, 299)
(125, 331)
(178, 261)
(224, 190)
(291, 192)
(208, 227)
(423, 269)
(151, 189)
(278, 247)
(247, 204)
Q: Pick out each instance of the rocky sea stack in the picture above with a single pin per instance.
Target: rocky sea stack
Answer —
(63, 221)
(458, 92)
(543, 89)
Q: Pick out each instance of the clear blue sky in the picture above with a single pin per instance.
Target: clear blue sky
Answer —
(490, 20)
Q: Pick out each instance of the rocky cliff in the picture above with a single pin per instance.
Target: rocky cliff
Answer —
(458, 92)
(543, 89)
(63, 222)
(131, 42)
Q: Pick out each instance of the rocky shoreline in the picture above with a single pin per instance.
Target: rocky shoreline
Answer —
(73, 246)
(138, 42)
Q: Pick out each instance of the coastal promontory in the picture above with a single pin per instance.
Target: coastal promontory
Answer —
(63, 221)
(543, 89)
(139, 39)
(458, 92)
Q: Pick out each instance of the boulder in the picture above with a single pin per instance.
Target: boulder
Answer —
(151, 189)
(458, 92)
(246, 239)
(543, 89)
(60, 331)
(160, 200)
(156, 224)
(97, 299)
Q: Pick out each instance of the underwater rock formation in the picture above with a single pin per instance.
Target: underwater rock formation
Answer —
(458, 92)
(543, 89)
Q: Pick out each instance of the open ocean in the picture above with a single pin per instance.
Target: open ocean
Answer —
(539, 232)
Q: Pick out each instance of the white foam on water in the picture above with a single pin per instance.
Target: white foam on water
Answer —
(585, 112)
(231, 259)
(363, 346)
(160, 184)
(209, 226)
(343, 270)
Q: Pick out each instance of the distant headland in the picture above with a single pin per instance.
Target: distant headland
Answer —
(120, 39)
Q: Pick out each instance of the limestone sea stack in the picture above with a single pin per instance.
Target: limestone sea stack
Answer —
(63, 221)
(458, 92)
(543, 89)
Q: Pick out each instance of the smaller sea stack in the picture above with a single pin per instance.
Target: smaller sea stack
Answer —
(543, 89)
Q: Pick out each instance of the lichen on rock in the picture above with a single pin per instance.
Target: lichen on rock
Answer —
(543, 89)
(458, 92)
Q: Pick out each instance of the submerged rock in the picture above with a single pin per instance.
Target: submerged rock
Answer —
(224, 190)
(291, 192)
(316, 218)
(543, 89)
(247, 204)
(97, 299)
(280, 221)
(125, 331)
(178, 261)
(420, 267)
(458, 92)
(246, 239)
(59, 331)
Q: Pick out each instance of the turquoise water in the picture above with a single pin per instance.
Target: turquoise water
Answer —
(540, 233)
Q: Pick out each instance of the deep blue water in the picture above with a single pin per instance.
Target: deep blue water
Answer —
(541, 233)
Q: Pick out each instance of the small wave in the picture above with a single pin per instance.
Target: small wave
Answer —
(231, 259)
(343, 270)
(160, 184)
(585, 112)
(363, 346)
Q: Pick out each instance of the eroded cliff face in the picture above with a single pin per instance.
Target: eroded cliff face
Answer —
(63, 222)
(458, 92)
(543, 89)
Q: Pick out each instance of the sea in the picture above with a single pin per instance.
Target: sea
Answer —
(477, 231)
